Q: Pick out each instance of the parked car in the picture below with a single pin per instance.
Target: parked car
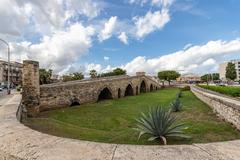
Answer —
(222, 84)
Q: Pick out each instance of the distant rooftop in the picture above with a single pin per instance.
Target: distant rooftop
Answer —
(189, 75)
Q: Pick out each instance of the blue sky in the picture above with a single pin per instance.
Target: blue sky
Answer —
(137, 35)
(205, 20)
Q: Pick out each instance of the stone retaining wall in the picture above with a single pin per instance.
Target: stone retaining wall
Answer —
(226, 107)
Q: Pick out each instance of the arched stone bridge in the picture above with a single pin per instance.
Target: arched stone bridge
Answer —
(79, 92)
(40, 98)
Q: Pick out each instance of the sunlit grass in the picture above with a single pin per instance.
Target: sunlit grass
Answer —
(113, 121)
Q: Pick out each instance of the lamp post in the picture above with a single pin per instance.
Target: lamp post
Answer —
(8, 84)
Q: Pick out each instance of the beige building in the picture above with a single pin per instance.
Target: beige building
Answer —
(189, 78)
(15, 73)
(223, 66)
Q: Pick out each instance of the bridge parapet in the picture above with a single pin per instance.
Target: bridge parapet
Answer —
(38, 98)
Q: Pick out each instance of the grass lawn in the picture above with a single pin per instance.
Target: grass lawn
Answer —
(228, 90)
(112, 121)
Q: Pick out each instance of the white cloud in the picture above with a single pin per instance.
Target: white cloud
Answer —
(187, 46)
(158, 3)
(209, 61)
(91, 66)
(163, 3)
(43, 16)
(107, 69)
(13, 17)
(123, 37)
(18, 51)
(151, 22)
(198, 59)
(106, 58)
(59, 51)
(108, 30)
(89, 8)
(63, 48)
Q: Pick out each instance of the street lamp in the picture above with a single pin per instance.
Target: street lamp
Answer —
(8, 85)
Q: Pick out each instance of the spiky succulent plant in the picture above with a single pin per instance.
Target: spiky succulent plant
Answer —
(160, 124)
(176, 105)
(179, 95)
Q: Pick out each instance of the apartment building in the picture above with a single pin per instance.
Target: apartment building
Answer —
(15, 73)
(223, 66)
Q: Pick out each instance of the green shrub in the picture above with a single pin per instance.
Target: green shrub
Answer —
(176, 105)
(228, 90)
(186, 88)
(160, 125)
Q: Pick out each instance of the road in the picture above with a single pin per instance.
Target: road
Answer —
(4, 97)
(4, 92)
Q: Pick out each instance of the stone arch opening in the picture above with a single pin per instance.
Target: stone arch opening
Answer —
(74, 103)
(119, 93)
(143, 87)
(137, 90)
(129, 91)
(105, 94)
(151, 88)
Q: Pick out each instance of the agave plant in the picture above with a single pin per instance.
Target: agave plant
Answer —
(160, 124)
(179, 95)
(176, 105)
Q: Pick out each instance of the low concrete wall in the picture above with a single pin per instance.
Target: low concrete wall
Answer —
(226, 107)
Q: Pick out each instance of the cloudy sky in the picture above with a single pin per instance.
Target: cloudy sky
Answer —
(137, 35)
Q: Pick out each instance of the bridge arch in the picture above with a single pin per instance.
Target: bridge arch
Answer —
(151, 88)
(137, 90)
(129, 90)
(74, 102)
(104, 94)
(119, 93)
(143, 88)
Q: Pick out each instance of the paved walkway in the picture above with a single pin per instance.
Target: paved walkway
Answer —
(20, 142)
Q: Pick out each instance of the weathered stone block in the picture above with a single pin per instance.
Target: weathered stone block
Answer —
(31, 89)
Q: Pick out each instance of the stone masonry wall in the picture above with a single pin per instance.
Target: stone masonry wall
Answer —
(226, 108)
(60, 95)
(36, 98)
(31, 89)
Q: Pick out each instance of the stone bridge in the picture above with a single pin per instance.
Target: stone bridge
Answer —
(37, 98)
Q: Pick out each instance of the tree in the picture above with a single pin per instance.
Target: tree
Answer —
(231, 73)
(66, 78)
(115, 72)
(215, 76)
(77, 76)
(209, 77)
(45, 76)
(168, 75)
(93, 73)
(119, 71)
(205, 77)
(73, 77)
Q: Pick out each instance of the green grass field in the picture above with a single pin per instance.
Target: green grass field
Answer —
(228, 90)
(112, 121)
